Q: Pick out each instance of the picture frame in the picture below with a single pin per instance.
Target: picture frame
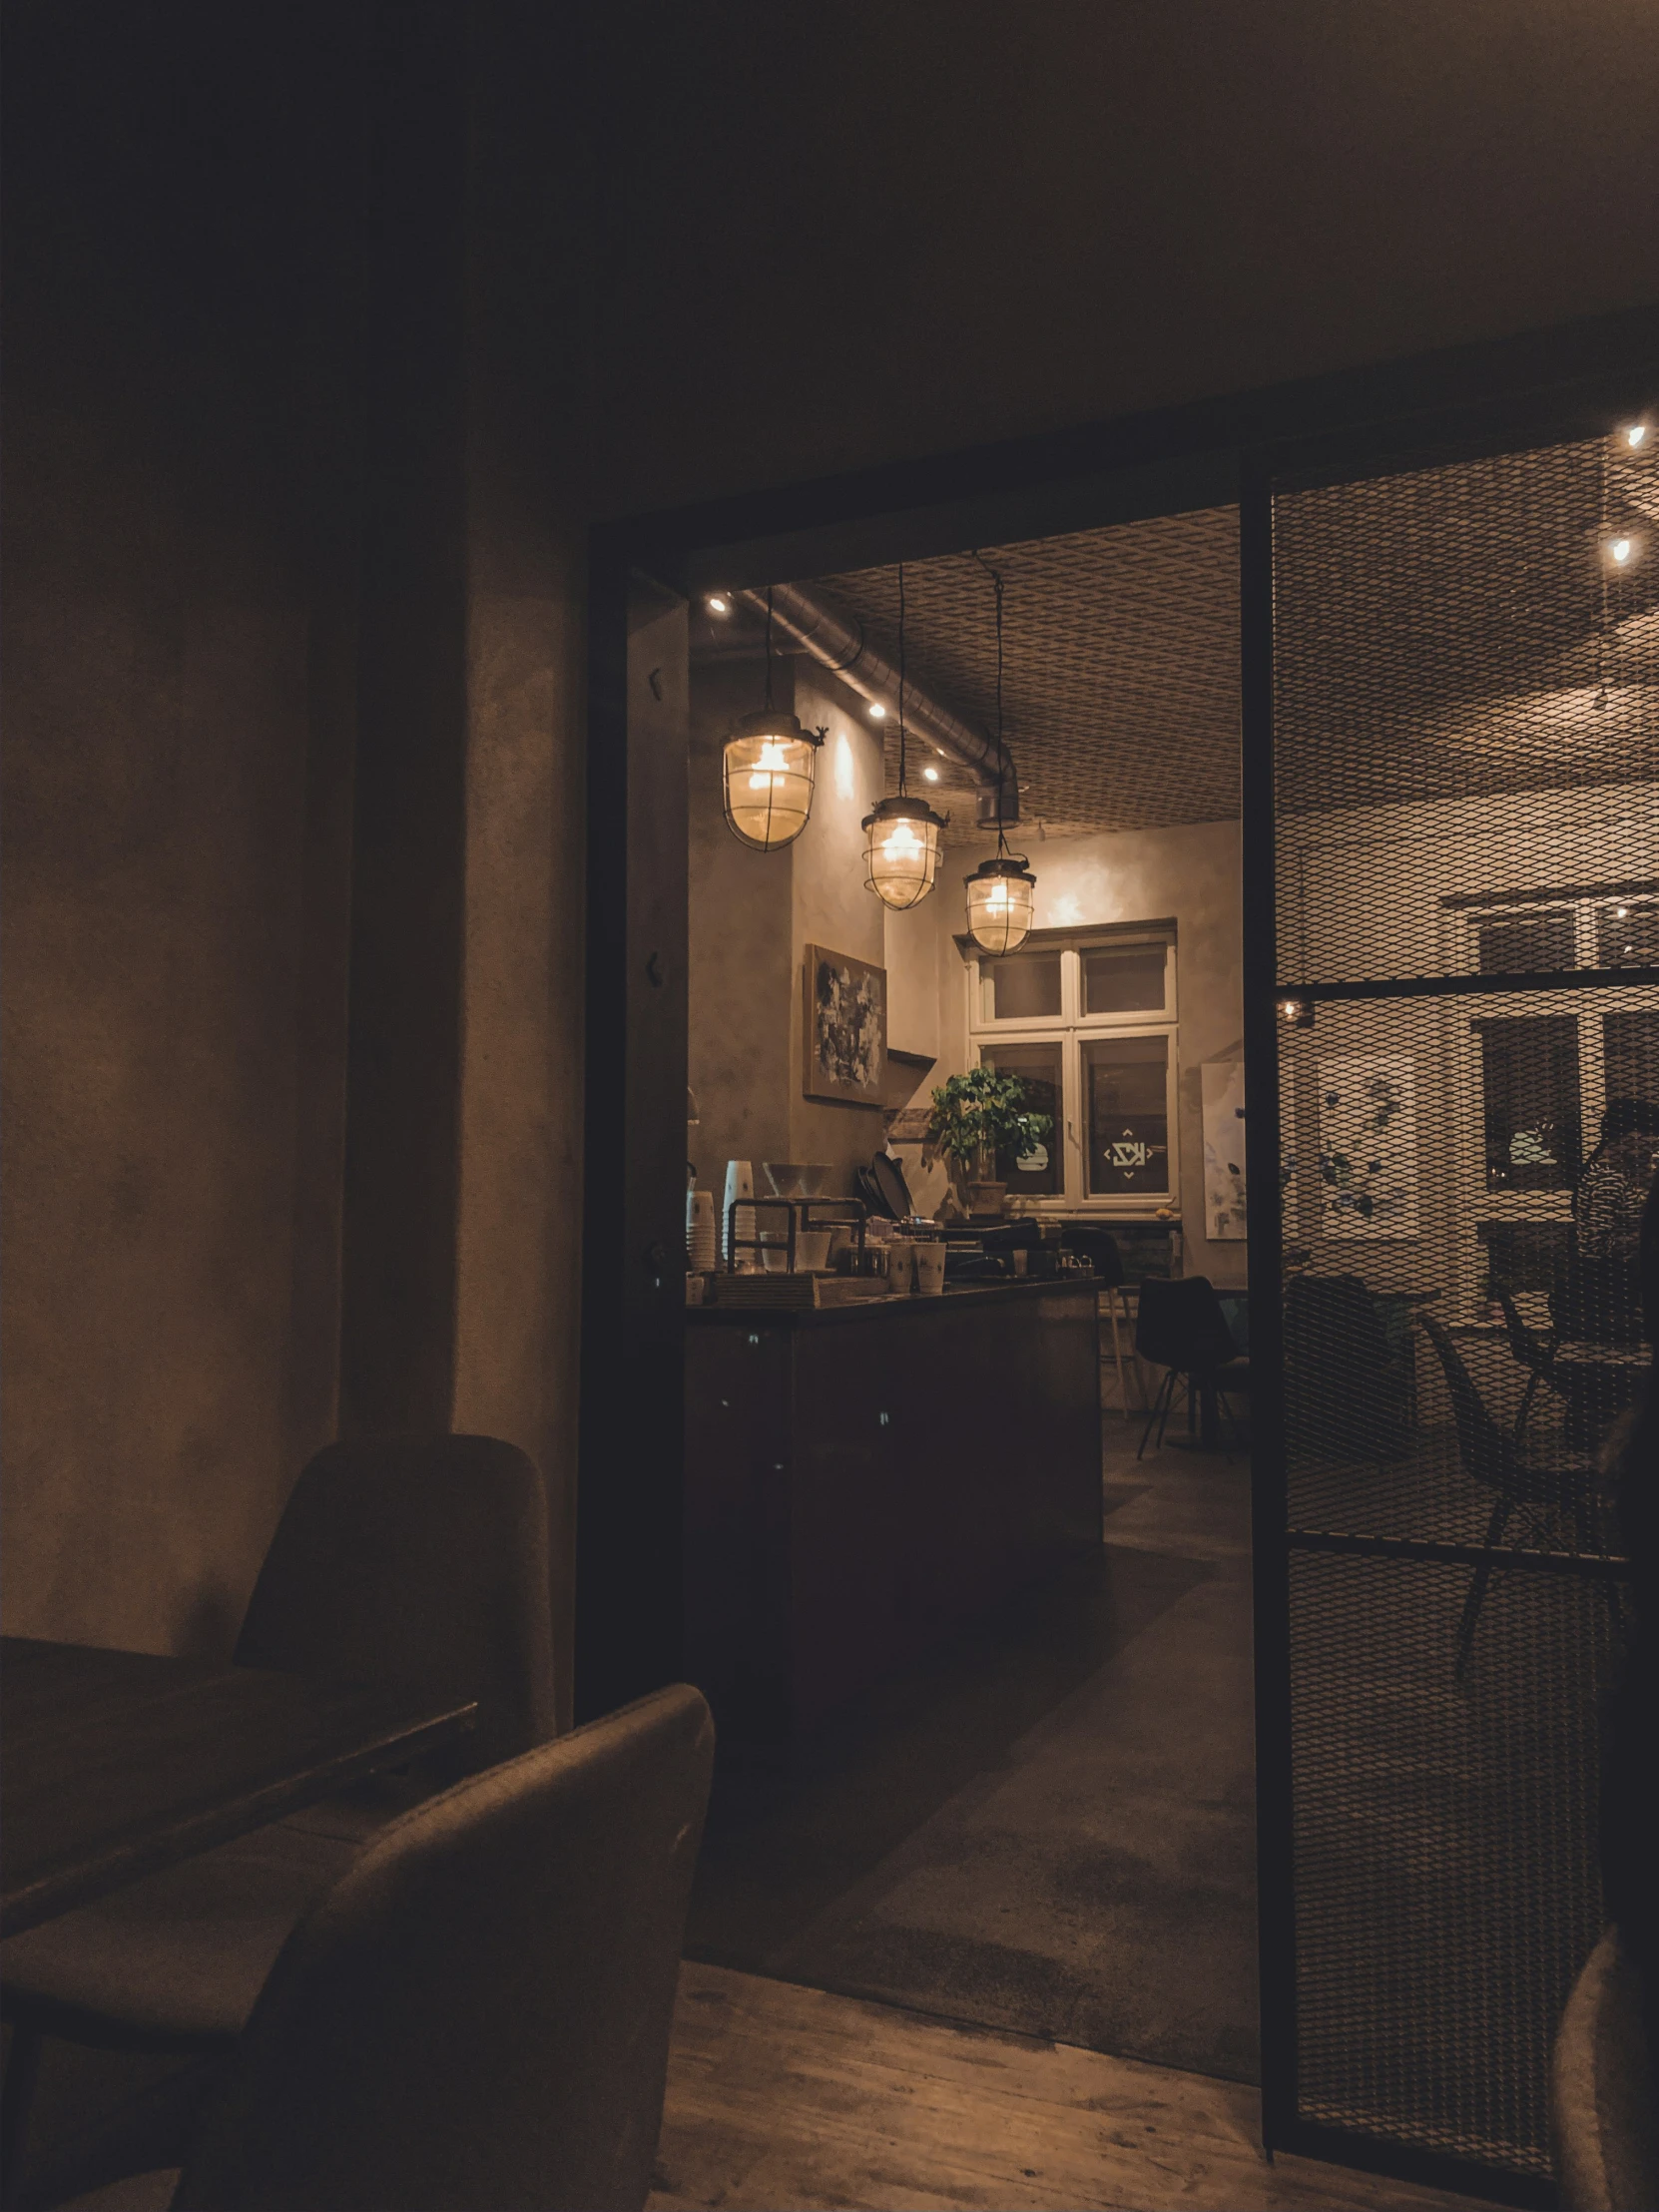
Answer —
(845, 1000)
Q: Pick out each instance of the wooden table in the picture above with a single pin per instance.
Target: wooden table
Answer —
(118, 1763)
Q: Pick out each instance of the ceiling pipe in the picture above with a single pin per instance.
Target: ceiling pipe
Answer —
(840, 646)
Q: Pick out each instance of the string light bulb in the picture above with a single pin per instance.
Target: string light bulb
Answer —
(768, 772)
(1635, 436)
(901, 833)
(1002, 891)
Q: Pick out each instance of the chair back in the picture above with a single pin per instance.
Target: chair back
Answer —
(1348, 1394)
(1100, 1248)
(477, 2014)
(1525, 1344)
(1181, 1325)
(1486, 1452)
(421, 1560)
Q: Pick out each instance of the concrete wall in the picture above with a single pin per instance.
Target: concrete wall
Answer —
(179, 611)
(208, 301)
(834, 907)
(740, 948)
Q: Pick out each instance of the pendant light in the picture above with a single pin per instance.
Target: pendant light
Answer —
(901, 834)
(1002, 891)
(768, 771)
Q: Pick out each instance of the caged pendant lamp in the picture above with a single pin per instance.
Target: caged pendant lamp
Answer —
(901, 833)
(1002, 891)
(768, 772)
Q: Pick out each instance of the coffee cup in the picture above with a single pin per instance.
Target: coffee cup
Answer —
(929, 1265)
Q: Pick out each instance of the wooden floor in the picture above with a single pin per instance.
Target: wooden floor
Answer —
(780, 2097)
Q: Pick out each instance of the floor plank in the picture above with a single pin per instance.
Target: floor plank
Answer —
(782, 2097)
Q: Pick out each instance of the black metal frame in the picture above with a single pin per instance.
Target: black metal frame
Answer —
(1501, 395)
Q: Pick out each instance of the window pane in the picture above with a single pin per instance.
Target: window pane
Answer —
(1039, 1067)
(1529, 1092)
(1023, 988)
(1125, 1085)
(1520, 944)
(1627, 933)
(1124, 979)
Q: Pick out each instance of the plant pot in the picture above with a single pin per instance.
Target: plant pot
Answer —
(986, 1197)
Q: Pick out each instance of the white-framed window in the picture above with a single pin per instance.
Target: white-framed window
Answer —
(1088, 1018)
(1535, 1071)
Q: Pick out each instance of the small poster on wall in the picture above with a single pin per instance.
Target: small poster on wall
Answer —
(1368, 1147)
(847, 1028)
(1224, 1154)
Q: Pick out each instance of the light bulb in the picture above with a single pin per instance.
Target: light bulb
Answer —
(931, 773)
(1619, 912)
(878, 712)
(718, 603)
(1621, 550)
(997, 900)
(902, 841)
(772, 762)
(1635, 435)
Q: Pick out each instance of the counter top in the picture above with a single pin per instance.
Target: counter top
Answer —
(868, 1309)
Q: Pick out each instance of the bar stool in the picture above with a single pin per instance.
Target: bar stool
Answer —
(1100, 1247)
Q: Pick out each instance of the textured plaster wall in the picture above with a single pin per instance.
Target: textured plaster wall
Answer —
(740, 948)
(179, 625)
(833, 907)
(752, 916)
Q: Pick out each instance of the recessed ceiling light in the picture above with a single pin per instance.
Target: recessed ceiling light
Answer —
(1635, 435)
(878, 712)
(931, 773)
(718, 603)
(1621, 550)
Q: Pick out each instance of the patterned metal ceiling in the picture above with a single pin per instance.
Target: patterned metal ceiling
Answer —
(1120, 670)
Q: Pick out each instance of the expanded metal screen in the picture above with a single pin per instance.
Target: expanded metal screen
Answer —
(1465, 764)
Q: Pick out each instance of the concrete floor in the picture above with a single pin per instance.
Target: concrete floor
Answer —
(1071, 1852)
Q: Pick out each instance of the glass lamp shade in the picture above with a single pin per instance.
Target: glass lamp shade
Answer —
(1001, 897)
(767, 779)
(902, 850)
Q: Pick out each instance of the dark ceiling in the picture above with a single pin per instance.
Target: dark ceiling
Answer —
(1451, 629)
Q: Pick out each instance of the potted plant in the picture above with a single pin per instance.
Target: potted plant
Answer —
(974, 1117)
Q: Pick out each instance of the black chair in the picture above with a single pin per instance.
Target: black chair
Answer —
(477, 2013)
(1530, 1350)
(1563, 1490)
(1347, 1392)
(420, 1560)
(1181, 1328)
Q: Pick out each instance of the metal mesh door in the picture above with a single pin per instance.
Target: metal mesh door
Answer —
(1465, 830)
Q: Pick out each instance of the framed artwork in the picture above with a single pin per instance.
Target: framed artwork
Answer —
(1224, 1158)
(1368, 1147)
(847, 1028)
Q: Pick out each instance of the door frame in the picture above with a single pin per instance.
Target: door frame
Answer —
(1540, 387)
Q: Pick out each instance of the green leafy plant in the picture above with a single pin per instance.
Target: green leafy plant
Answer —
(979, 1114)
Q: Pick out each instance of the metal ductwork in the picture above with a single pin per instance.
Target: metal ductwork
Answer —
(839, 644)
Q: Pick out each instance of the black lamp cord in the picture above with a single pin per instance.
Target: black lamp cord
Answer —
(1001, 753)
(902, 790)
(769, 649)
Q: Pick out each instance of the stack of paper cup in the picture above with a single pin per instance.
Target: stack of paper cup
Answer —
(702, 1248)
(739, 1183)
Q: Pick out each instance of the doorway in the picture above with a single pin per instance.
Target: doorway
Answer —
(633, 1406)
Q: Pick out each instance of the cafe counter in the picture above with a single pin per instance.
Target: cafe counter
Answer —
(866, 1482)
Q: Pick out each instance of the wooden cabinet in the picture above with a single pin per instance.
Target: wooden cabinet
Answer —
(863, 1485)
